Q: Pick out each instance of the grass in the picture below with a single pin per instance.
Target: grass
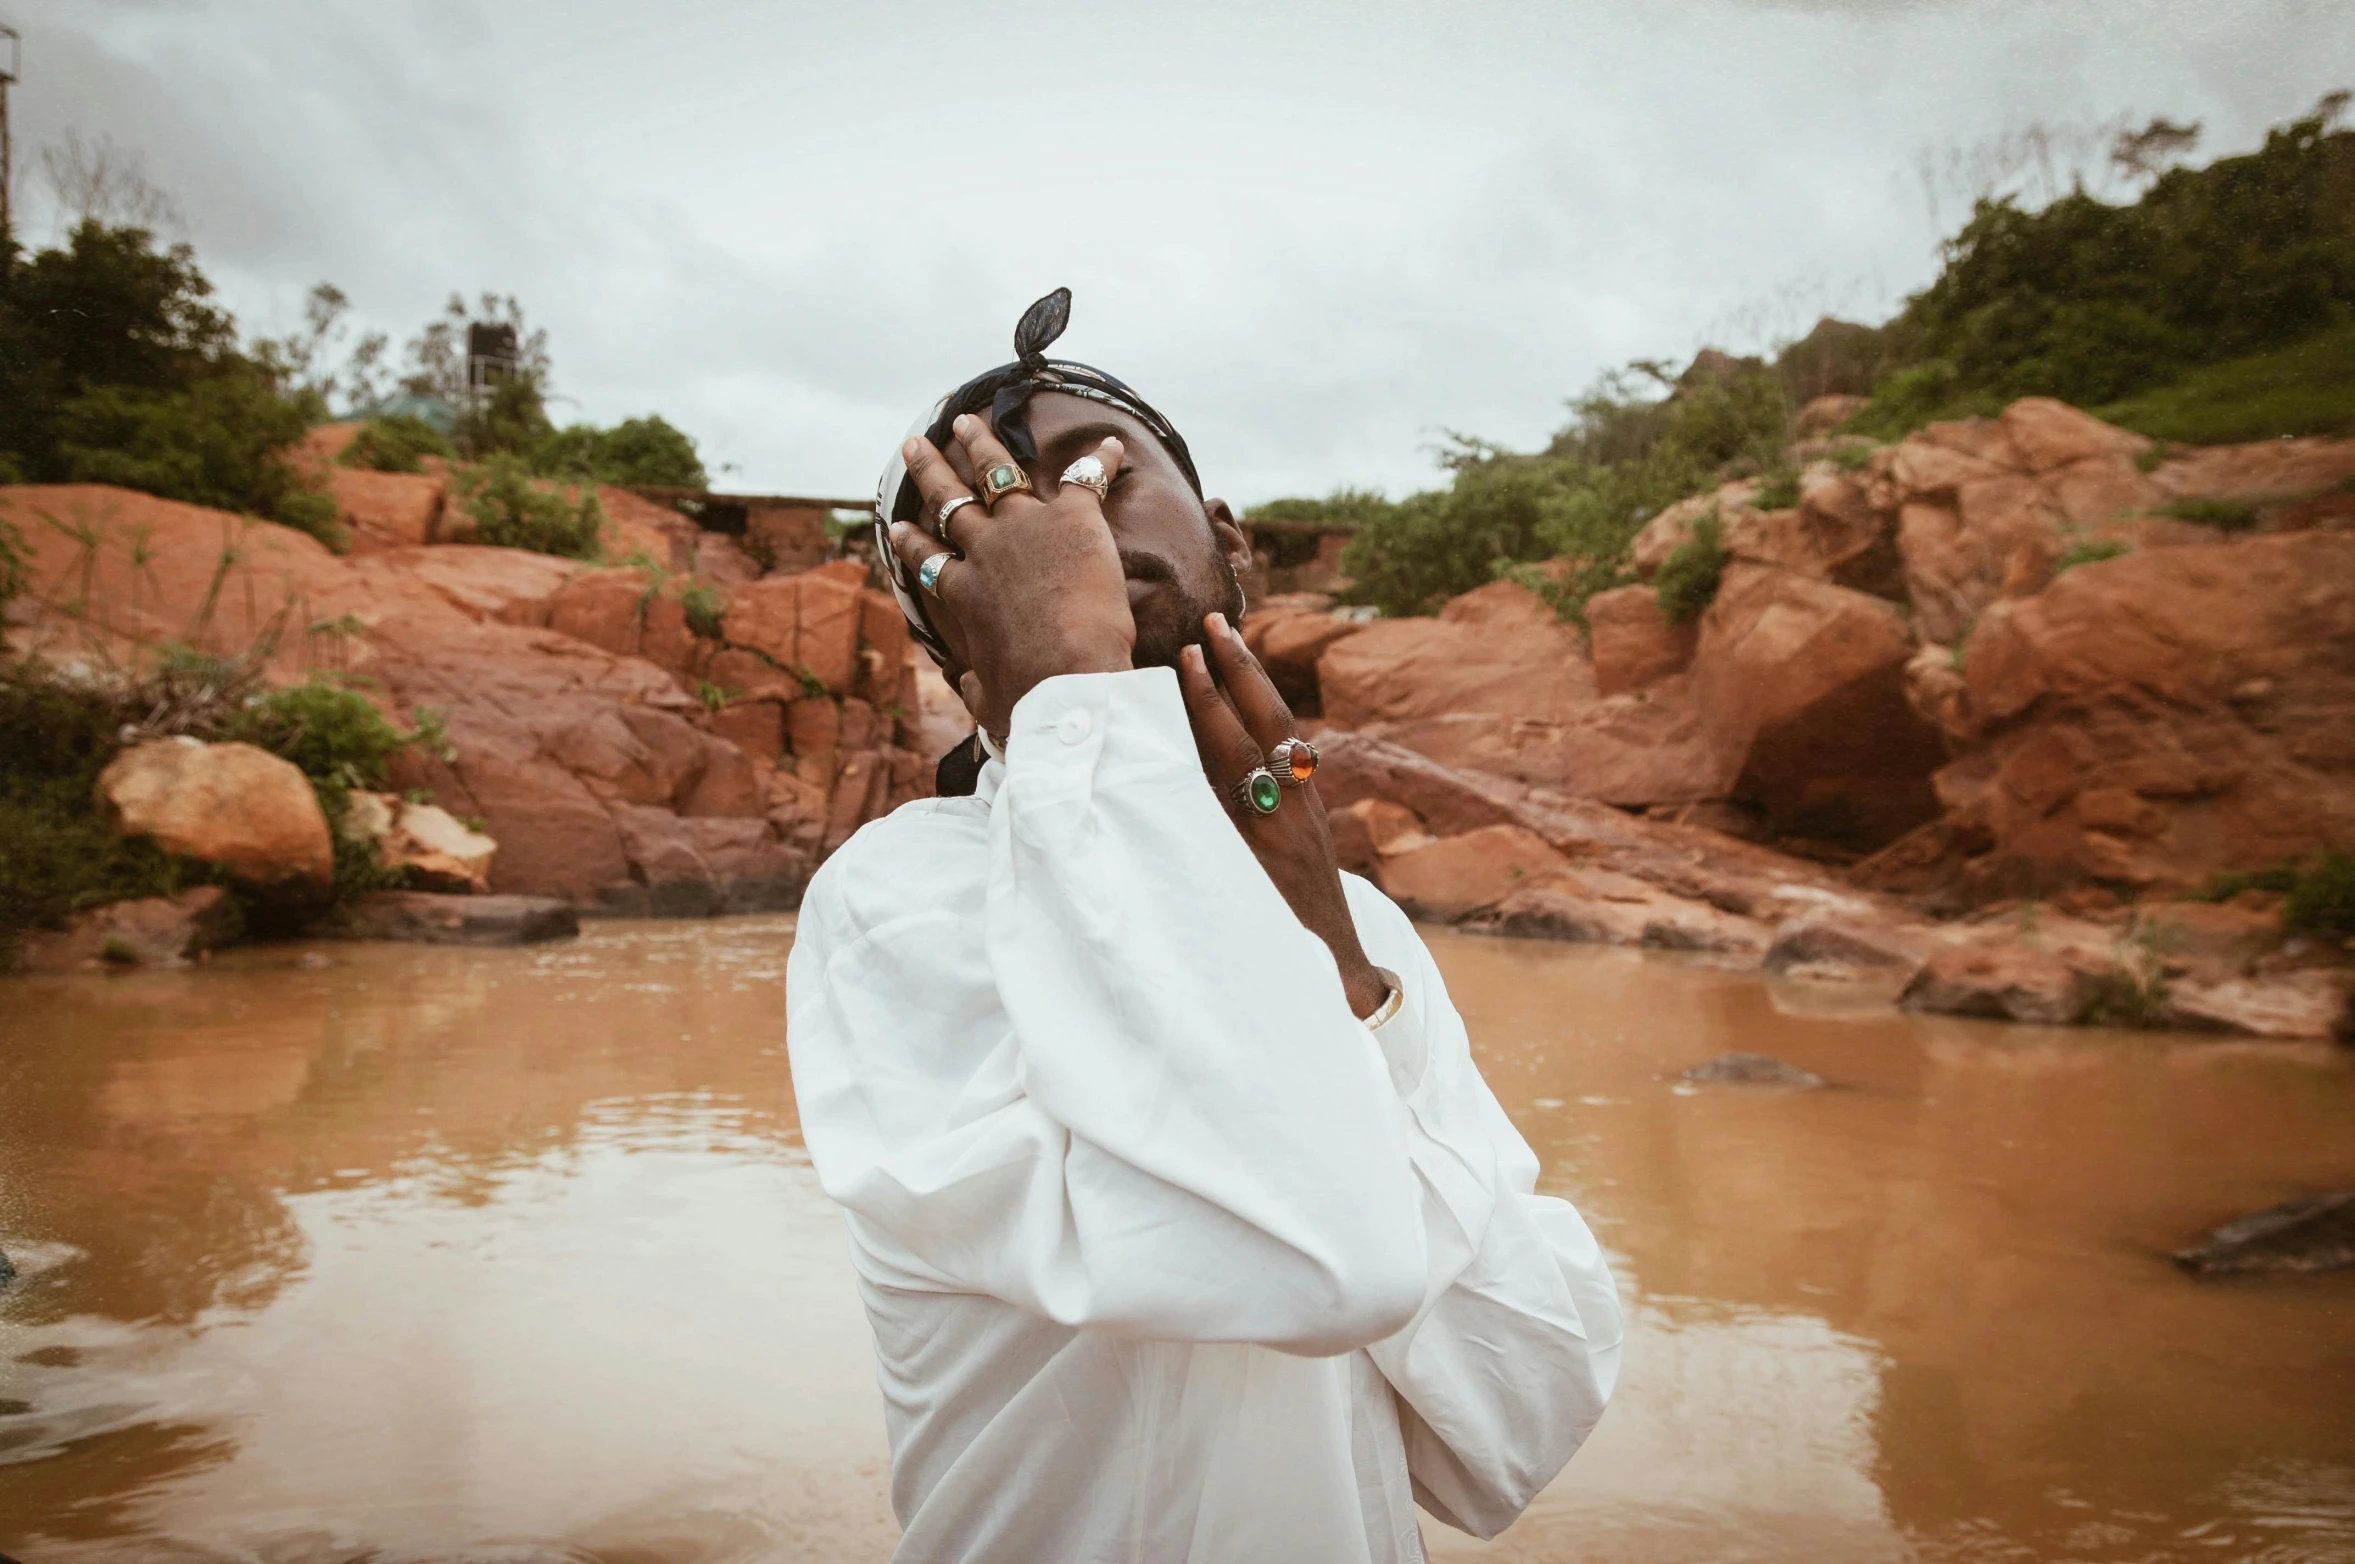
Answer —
(2308, 388)
(1687, 582)
(2090, 551)
(705, 611)
(2223, 515)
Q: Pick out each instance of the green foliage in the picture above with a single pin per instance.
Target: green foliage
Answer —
(2224, 886)
(1778, 490)
(2090, 551)
(2307, 388)
(704, 610)
(511, 421)
(217, 443)
(2095, 303)
(635, 451)
(1577, 505)
(15, 566)
(397, 442)
(332, 733)
(115, 367)
(715, 697)
(511, 511)
(56, 855)
(2224, 515)
(2322, 901)
(1687, 583)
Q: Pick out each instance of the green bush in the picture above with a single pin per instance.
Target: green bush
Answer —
(510, 510)
(2090, 551)
(1576, 506)
(115, 367)
(704, 610)
(2322, 901)
(1687, 582)
(397, 442)
(56, 855)
(511, 421)
(2224, 515)
(2095, 303)
(2225, 885)
(635, 451)
(218, 443)
(1779, 490)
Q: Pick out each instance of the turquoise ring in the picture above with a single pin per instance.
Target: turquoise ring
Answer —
(1258, 791)
(928, 573)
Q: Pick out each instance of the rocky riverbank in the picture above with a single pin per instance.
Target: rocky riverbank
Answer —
(1970, 717)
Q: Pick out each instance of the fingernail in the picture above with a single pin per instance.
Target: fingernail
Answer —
(907, 452)
(1218, 622)
(964, 423)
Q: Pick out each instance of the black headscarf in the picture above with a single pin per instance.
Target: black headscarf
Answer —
(1006, 392)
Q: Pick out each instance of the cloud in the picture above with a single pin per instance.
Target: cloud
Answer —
(1316, 234)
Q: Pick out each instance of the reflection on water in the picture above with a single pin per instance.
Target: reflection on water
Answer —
(434, 1254)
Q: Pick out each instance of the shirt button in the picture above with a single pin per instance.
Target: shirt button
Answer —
(1073, 727)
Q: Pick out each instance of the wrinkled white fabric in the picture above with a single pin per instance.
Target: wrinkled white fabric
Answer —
(1168, 1257)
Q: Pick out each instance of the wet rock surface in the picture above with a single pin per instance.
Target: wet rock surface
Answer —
(1744, 1069)
(431, 918)
(2311, 1233)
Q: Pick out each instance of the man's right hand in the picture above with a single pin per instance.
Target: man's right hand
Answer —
(1036, 587)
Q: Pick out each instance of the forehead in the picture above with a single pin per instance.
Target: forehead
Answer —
(1058, 418)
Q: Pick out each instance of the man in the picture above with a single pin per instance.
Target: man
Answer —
(1186, 1226)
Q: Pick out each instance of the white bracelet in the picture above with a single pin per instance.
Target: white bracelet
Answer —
(1391, 1004)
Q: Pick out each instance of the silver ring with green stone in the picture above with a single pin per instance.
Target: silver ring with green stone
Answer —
(1003, 479)
(1258, 791)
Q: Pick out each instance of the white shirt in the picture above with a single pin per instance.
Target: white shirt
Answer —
(1167, 1257)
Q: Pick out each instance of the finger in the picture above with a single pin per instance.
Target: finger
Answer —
(969, 691)
(912, 546)
(983, 451)
(938, 482)
(1263, 711)
(1227, 749)
(1108, 453)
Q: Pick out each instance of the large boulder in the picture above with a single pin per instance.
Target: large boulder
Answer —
(1648, 747)
(423, 843)
(508, 585)
(383, 510)
(2151, 719)
(1800, 686)
(231, 805)
(1500, 649)
(1457, 876)
(1602, 906)
(1633, 642)
(1288, 634)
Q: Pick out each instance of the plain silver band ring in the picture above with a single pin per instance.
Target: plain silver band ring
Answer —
(948, 508)
(928, 573)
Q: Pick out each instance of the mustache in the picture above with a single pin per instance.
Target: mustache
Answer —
(1140, 566)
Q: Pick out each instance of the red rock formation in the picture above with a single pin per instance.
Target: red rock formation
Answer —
(1800, 687)
(568, 746)
(231, 805)
(1499, 649)
(2151, 719)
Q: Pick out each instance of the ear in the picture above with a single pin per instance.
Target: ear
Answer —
(1229, 533)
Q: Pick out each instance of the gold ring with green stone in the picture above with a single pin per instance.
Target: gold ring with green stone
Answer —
(1003, 479)
(1258, 791)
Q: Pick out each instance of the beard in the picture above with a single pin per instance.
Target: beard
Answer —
(1170, 619)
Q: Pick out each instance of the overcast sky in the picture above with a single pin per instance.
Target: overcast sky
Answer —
(1316, 235)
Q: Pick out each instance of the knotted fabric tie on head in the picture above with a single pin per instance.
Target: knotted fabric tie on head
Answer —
(1006, 392)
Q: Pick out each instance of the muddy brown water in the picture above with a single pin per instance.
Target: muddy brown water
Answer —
(392, 1253)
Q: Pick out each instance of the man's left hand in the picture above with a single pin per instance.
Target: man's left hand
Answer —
(1237, 718)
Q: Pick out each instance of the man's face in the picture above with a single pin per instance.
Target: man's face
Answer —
(1180, 554)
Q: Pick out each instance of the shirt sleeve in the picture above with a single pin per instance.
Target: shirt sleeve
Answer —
(1506, 1367)
(1072, 1050)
